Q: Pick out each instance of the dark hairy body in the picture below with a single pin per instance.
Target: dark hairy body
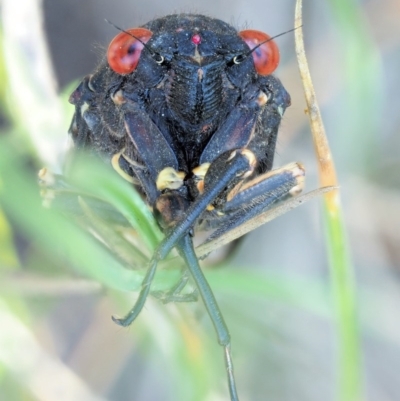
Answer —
(187, 110)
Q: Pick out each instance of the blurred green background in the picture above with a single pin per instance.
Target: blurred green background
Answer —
(59, 286)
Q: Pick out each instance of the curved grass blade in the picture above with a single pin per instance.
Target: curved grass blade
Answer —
(19, 197)
(89, 175)
(343, 287)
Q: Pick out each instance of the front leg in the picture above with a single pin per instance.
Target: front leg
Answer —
(252, 124)
(255, 197)
(154, 151)
(239, 164)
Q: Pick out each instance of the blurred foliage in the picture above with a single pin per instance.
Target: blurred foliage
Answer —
(50, 254)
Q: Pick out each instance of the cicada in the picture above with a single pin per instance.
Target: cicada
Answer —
(186, 109)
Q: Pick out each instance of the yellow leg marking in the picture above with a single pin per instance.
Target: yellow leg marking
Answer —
(200, 172)
(118, 169)
(169, 178)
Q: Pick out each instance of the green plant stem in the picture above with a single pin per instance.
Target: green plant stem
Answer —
(343, 288)
(344, 298)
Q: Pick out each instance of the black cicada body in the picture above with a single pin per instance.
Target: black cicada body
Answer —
(186, 109)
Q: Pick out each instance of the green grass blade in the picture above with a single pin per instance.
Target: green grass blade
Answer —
(350, 374)
(96, 178)
(19, 196)
(344, 297)
(8, 254)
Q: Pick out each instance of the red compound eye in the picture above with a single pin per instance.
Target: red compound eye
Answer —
(124, 51)
(266, 57)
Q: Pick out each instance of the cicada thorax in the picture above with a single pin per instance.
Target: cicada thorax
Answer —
(195, 91)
